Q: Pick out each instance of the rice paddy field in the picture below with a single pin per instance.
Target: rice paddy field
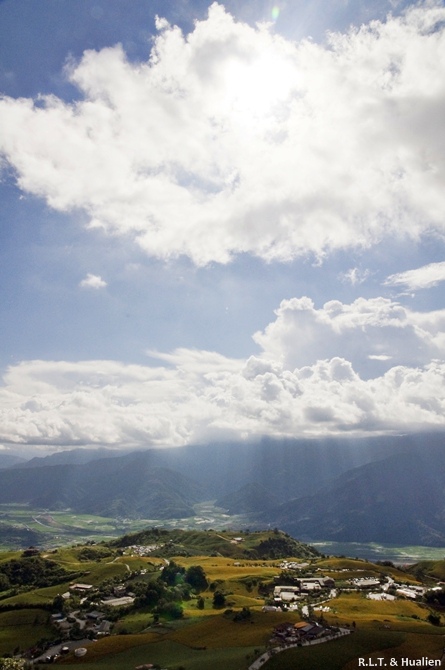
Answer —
(53, 528)
(21, 525)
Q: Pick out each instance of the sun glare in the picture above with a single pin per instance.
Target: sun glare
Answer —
(255, 88)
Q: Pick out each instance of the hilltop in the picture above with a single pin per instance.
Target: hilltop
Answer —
(265, 545)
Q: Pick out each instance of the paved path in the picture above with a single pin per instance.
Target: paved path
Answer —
(56, 648)
(261, 660)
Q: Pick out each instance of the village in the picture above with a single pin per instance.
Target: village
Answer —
(87, 614)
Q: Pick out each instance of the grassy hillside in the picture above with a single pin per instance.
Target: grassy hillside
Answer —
(433, 569)
(240, 544)
(243, 567)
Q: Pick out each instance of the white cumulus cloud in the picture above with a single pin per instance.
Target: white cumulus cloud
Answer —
(425, 277)
(93, 281)
(233, 139)
(368, 329)
(306, 380)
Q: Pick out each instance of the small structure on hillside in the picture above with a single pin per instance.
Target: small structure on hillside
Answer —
(81, 588)
(118, 602)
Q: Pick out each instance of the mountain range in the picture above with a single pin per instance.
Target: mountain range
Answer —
(386, 489)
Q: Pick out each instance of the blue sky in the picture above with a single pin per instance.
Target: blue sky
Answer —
(220, 221)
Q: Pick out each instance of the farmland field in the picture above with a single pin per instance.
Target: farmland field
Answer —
(55, 528)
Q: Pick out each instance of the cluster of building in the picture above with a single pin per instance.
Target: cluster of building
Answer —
(293, 565)
(92, 622)
(303, 632)
(284, 594)
(388, 589)
(143, 550)
(120, 597)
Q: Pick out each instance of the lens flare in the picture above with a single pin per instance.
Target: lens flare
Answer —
(275, 13)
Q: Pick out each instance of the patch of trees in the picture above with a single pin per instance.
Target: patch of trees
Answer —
(219, 600)
(281, 545)
(175, 584)
(34, 571)
(94, 553)
(434, 618)
(172, 574)
(170, 610)
(4, 582)
(144, 537)
(243, 615)
(435, 598)
(196, 577)
(160, 598)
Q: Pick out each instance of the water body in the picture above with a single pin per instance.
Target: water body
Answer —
(373, 551)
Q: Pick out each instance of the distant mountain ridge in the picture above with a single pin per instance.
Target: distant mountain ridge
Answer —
(123, 487)
(69, 457)
(387, 489)
(399, 500)
(9, 460)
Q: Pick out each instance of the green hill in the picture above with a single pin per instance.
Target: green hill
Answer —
(241, 544)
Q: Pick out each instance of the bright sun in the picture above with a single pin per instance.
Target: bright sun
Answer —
(254, 88)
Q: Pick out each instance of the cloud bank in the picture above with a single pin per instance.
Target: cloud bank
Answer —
(233, 139)
(294, 386)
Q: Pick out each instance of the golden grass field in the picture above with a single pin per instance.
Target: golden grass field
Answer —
(210, 640)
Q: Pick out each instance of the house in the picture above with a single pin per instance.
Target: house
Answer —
(104, 628)
(366, 583)
(310, 587)
(322, 582)
(289, 596)
(286, 594)
(118, 602)
(292, 565)
(119, 591)
(284, 631)
(81, 588)
(288, 589)
(315, 631)
(407, 593)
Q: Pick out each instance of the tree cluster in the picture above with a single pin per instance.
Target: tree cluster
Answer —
(33, 571)
(174, 585)
(435, 598)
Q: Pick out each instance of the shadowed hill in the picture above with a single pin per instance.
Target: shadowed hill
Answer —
(400, 500)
